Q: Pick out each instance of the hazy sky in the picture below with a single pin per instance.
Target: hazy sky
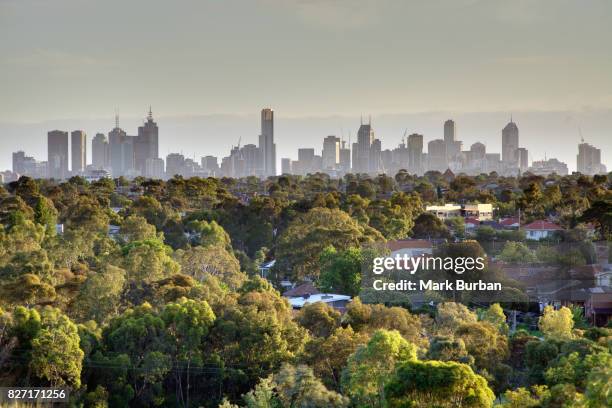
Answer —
(81, 59)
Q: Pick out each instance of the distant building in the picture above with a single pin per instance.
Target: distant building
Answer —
(510, 144)
(210, 164)
(331, 153)
(361, 149)
(415, 153)
(436, 153)
(522, 157)
(146, 144)
(285, 165)
(57, 154)
(546, 167)
(19, 162)
(175, 163)
(154, 168)
(78, 144)
(266, 143)
(344, 164)
(99, 152)
(589, 160)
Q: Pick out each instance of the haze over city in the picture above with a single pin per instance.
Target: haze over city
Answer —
(207, 69)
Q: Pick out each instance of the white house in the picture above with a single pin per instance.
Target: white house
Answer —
(334, 300)
(541, 229)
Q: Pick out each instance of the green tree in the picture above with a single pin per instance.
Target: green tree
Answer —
(557, 323)
(436, 383)
(301, 244)
(213, 260)
(56, 355)
(369, 368)
(341, 270)
(297, 386)
(517, 252)
(319, 318)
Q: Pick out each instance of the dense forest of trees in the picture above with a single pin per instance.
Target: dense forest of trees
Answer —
(168, 309)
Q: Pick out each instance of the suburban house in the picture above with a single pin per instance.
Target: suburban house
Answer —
(541, 229)
(265, 267)
(481, 212)
(445, 211)
(336, 301)
(410, 247)
(510, 222)
(598, 306)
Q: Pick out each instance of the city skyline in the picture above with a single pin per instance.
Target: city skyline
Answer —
(131, 156)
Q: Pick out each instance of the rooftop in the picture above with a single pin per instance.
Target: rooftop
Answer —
(541, 225)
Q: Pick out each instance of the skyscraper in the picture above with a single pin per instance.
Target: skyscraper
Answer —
(415, 153)
(436, 153)
(99, 152)
(361, 155)
(510, 144)
(449, 132)
(78, 144)
(57, 154)
(331, 152)
(345, 158)
(285, 165)
(589, 160)
(116, 140)
(146, 145)
(19, 162)
(522, 158)
(266, 143)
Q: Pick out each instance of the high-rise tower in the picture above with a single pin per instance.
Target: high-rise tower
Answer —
(57, 154)
(78, 144)
(266, 143)
(510, 144)
(146, 145)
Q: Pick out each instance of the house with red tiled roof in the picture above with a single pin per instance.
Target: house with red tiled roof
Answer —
(510, 222)
(541, 229)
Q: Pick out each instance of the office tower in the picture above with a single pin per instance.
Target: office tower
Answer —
(478, 151)
(266, 143)
(345, 158)
(415, 153)
(361, 154)
(510, 144)
(146, 145)
(493, 162)
(589, 160)
(175, 164)
(57, 154)
(78, 144)
(375, 156)
(154, 168)
(449, 132)
(210, 164)
(522, 158)
(285, 166)
(331, 152)
(306, 160)
(436, 152)
(99, 152)
(116, 141)
(19, 162)
(251, 155)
